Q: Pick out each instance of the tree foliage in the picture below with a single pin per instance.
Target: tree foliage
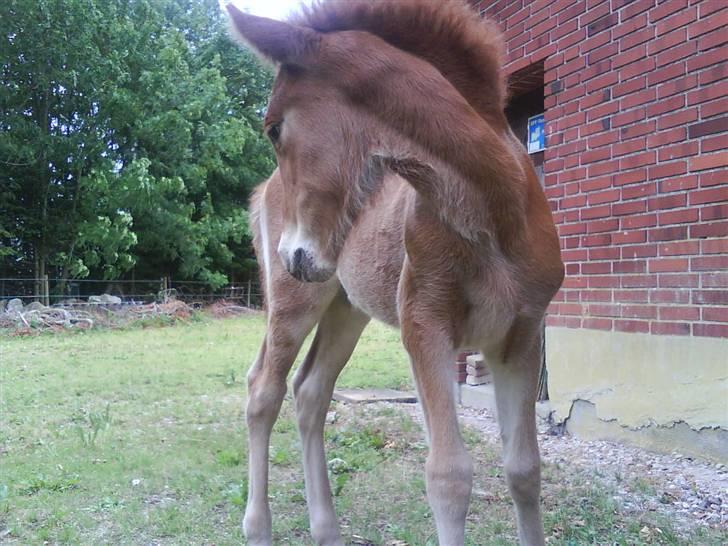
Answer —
(129, 138)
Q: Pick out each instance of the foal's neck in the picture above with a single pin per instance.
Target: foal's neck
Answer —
(463, 162)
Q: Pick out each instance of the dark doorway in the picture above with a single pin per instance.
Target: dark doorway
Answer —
(519, 110)
(526, 100)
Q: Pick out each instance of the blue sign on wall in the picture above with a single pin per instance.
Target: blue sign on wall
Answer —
(536, 134)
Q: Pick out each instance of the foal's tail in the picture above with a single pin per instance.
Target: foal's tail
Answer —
(256, 207)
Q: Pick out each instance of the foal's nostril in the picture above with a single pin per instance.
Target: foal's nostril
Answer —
(297, 261)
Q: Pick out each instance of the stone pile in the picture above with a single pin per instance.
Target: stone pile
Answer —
(68, 314)
(477, 370)
(13, 314)
(461, 365)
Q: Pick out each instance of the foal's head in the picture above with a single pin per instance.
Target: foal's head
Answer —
(321, 142)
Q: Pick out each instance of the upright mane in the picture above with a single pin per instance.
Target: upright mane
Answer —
(466, 49)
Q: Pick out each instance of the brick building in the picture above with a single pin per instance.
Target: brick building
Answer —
(634, 96)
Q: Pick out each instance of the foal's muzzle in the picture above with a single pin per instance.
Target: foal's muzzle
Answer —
(302, 266)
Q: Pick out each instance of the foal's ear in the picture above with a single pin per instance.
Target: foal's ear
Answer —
(274, 40)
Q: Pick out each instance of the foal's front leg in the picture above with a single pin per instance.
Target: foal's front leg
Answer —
(449, 467)
(266, 389)
(287, 329)
(515, 376)
(336, 337)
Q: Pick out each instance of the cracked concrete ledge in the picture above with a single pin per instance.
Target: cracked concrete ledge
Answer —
(584, 423)
(639, 379)
(705, 443)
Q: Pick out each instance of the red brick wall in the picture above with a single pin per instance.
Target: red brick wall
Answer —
(636, 164)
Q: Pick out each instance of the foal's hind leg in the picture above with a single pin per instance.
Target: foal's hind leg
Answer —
(313, 385)
(288, 326)
(515, 376)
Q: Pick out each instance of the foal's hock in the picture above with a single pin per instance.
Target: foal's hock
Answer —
(401, 195)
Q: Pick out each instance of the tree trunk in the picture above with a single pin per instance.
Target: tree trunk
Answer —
(62, 286)
(46, 181)
(36, 273)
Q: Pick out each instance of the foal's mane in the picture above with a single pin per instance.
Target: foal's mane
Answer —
(466, 49)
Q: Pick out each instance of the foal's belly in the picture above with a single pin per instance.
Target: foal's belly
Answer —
(370, 264)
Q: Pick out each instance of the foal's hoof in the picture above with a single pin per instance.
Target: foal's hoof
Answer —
(257, 532)
(258, 541)
(336, 542)
(331, 539)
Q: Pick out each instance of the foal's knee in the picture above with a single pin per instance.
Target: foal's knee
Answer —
(524, 480)
(450, 477)
(265, 395)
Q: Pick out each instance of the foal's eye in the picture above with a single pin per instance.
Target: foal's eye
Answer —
(274, 133)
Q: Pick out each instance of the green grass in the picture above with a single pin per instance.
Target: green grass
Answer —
(137, 437)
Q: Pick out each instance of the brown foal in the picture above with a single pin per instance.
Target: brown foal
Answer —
(400, 194)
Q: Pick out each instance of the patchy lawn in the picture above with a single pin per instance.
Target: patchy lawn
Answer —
(137, 437)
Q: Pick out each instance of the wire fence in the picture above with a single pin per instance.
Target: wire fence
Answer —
(59, 291)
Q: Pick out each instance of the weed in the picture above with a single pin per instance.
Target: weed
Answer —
(643, 486)
(237, 493)
(40, 483)
(494, 472)
(172, 521)
(386, 411)
(283, 426)
(159, 321)
(228, 457)
(360, 449)
(282, 456)
(470, 436)
(339, 483)
(109, 503)
(93, 424)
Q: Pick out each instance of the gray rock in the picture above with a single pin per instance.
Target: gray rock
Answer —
(15, 306)
(105, 299)
(3, 304)
(70, 301)
(35, 306)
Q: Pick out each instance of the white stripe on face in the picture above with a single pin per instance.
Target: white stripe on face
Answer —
(301, 256)
(291, 240)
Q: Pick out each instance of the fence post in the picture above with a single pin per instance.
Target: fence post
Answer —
(46, 291)
(249, 285)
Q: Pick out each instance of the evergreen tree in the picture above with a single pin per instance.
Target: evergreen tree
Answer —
(129, 138)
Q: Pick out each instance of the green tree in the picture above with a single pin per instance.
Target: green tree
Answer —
(129, 137)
